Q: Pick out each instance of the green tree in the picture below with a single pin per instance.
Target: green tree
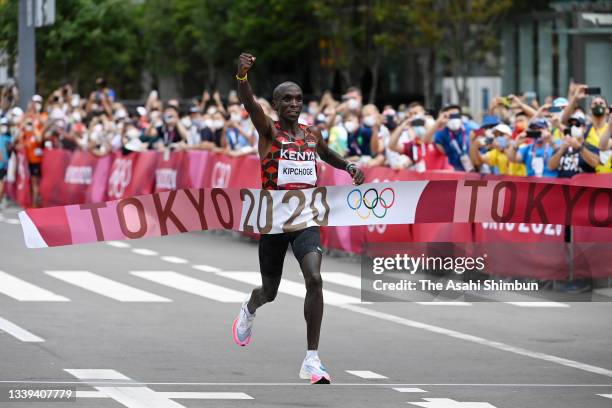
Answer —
(89, 38)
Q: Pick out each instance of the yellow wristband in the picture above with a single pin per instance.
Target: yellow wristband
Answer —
(241, 79)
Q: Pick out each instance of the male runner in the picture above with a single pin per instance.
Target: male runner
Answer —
(274, 137)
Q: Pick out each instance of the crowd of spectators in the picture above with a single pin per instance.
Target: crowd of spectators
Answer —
(518, 136)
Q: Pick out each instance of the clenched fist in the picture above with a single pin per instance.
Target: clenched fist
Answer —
(245, 62)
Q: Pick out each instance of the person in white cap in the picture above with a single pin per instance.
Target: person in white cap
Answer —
(495, 142)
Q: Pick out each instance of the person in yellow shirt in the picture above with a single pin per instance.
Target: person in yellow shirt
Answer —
(496, 159)
(599, 111)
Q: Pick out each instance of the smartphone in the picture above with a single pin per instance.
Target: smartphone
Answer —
(534, 134)
(417, 122)
(454, 116)
(593, 90)
(505, 101)
(555, 109)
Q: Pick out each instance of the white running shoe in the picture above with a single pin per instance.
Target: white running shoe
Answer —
(243, 323)
(312, 369)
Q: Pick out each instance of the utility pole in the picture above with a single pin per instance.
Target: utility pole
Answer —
(26, 53)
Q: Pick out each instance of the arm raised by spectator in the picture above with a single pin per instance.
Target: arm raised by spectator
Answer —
(394, 144)
(576, 95)
(518, 103)
(439, 124)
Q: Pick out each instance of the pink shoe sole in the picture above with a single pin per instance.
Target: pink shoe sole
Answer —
(235, 335)
(318, 379)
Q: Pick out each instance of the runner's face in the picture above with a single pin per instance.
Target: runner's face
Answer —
(289, 104)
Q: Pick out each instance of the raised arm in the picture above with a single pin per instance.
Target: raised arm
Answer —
(245, 93)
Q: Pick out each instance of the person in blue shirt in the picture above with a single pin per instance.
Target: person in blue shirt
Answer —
(537, 154)
(452, 137)
(5, 142)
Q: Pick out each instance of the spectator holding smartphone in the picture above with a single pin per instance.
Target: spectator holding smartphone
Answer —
(452, 138)
(536, 155)
(495, 142)
(599, 111)
(567, 159)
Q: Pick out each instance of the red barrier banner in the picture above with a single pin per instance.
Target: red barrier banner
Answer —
(172, 171)
(53, 168)
(78, 177)
(132, 174)
(198, 160)
(98, 187)
(20, 189)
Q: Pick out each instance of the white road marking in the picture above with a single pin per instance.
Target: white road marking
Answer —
(292, 384)
(538, 304)
(409, 390)
(449, 403)
(106, 287)
(177, 395)
(144, 251)
(206, 268)
(341, 278)
(174, 259)
(13, 221)
(370, 375)
(18, 332)
(479, 340)
(138, 396)
(192, 285)
(26, 292)
(605, 395)
(434, 303)
(290, 287)
(118, 244)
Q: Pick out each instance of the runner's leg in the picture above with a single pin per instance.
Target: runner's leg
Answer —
(272, 250)
(313, 304)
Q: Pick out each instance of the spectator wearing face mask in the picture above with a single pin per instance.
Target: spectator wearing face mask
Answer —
(567, 159)
(363, 143)
(599, 109)
(536, 155)
(32, 141)
(452, 137)
(5, 148)
(407, 143)
(169, 133)
(494, 143)
(353, 99)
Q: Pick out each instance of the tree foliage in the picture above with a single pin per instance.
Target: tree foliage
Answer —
(197, 41)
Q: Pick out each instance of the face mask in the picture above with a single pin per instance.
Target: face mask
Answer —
(186, 122)
(454, 124)
(419, 131)
(598, 110)
(38, 106)
(168, 118)
(353, 104)
(369, 120)
(321, 117)
(208, 123)
(212, 110)
(429, 121)
(401, 116)
(312, 110)
(235, 117)
(501, 141)
(576, 131)
(217, 124)
(3, 129)
(132, 133)
(325, 134)
(350, 126)
(97, 128)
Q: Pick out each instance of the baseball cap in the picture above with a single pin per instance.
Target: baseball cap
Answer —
(37, 98)
(539, 123)
(577, 118)
(560, 103)
(503, 128)
(489, 121)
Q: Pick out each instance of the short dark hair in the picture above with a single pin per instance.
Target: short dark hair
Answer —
(449, 107)
(276, 94)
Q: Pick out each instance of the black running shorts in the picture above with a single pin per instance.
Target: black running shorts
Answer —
(273, 247)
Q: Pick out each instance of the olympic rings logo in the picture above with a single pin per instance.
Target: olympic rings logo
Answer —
(374, 202)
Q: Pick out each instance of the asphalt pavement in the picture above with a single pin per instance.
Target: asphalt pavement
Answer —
(147, 323)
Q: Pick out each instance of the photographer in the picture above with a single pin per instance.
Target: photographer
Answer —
(495, 143)
(407, 141)
(536, 155)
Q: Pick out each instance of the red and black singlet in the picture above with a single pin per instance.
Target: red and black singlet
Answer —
(291, 163)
